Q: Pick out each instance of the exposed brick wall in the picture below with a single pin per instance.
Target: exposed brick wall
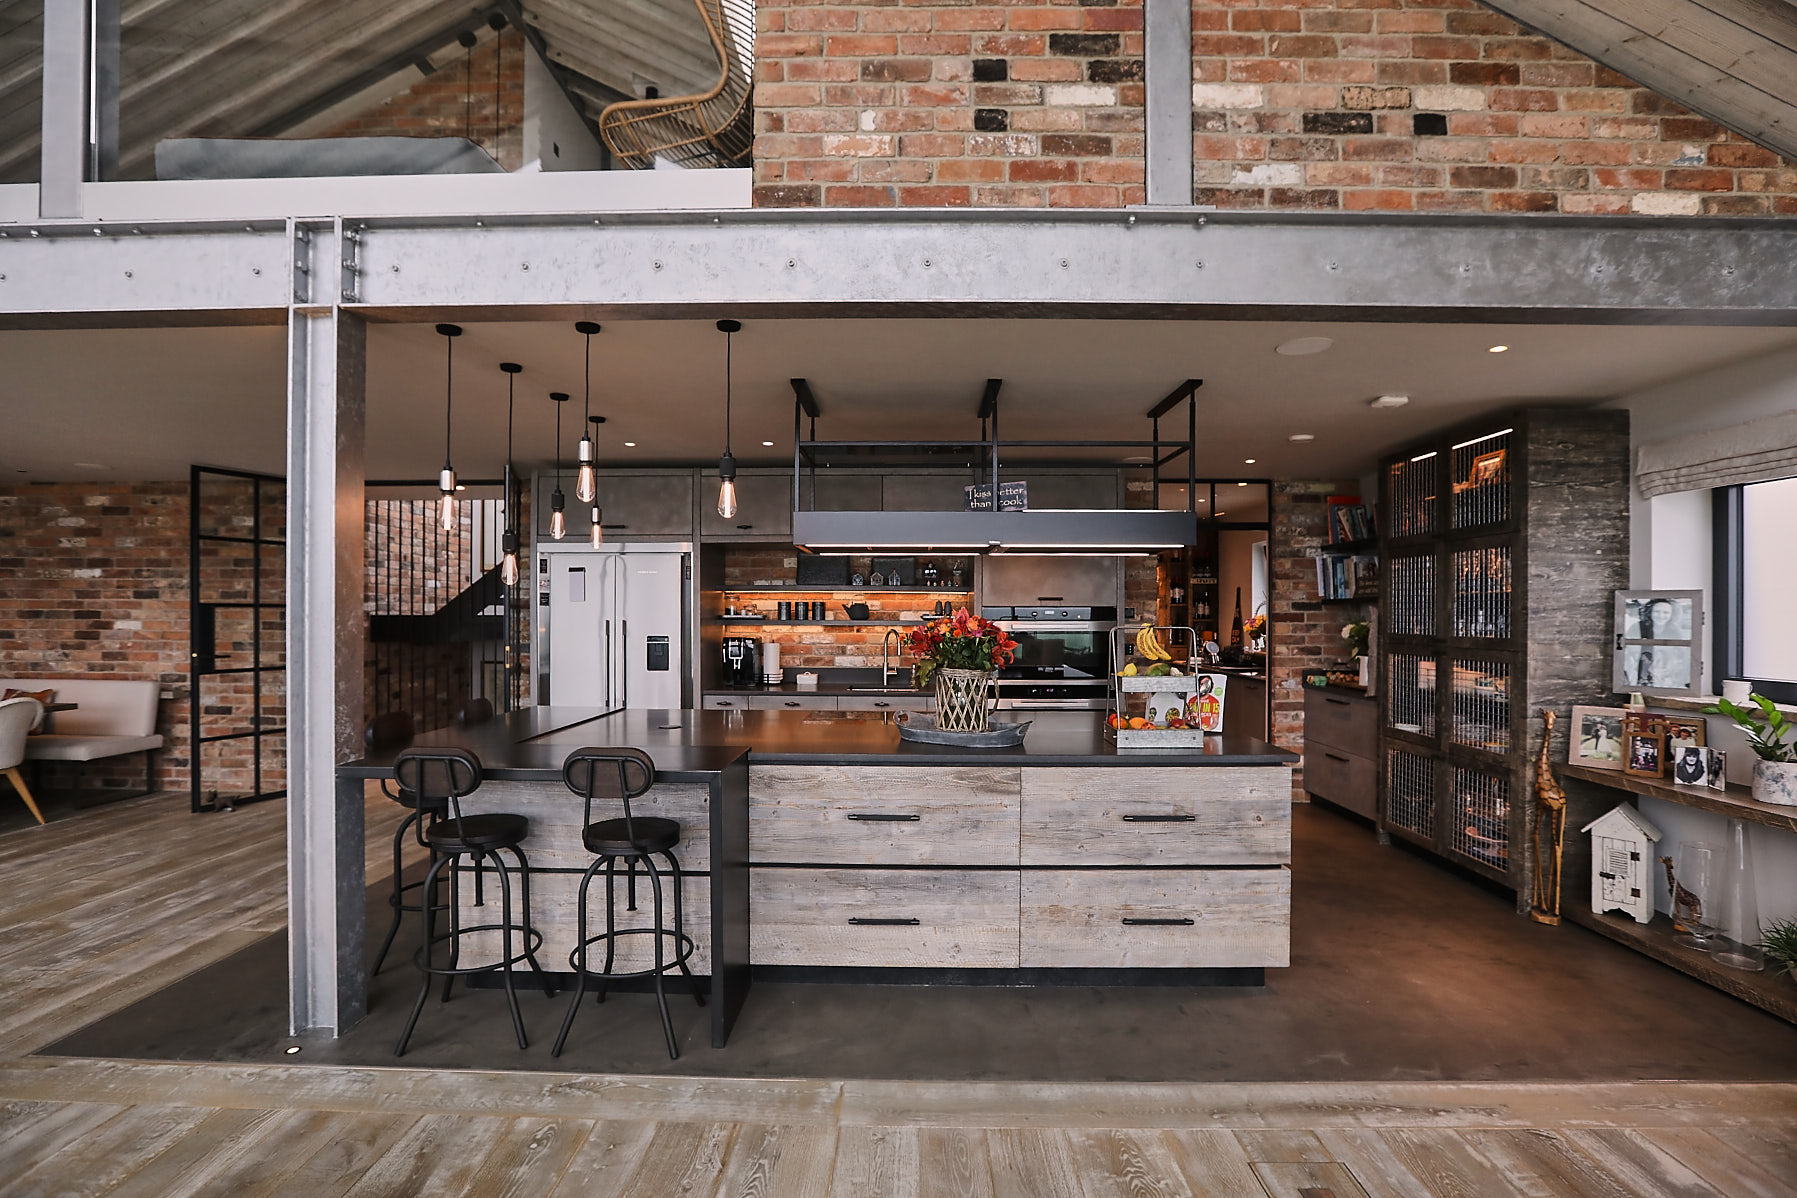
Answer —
(748, 572)
(1397, 105)
(458, 100)
(875, 104)
(1305, 632)
(93, 583)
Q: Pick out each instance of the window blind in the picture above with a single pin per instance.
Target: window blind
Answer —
(1755, 452)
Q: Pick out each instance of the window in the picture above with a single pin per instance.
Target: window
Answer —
(1756, 587)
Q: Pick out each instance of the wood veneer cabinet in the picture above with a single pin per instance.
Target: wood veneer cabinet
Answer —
(999, 867)
(1502, 544)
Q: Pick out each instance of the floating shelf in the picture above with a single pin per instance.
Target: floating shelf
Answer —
(1766, 990)
(1736, 802)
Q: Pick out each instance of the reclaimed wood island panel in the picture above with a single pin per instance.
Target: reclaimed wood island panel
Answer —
(829, 844)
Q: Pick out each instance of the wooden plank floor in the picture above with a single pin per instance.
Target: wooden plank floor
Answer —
(107, 906)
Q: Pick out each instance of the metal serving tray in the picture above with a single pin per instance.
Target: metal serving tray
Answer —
(1000, 736)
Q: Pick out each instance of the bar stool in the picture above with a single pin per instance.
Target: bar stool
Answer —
(394, 730)
(447, 776)
(623, 774)
(475, 711)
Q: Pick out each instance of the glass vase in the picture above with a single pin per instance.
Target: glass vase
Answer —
(1740, 915)
(961, 700)
(1696, 899)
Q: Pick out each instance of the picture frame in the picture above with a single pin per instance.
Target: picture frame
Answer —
(1487, 468)
(1595, 737)
(1687, 766)
(1658, 647)
(1644, 755)
(1716, 761)
(1683, 732)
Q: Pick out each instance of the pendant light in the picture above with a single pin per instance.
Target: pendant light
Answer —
(727, 463)
(446, 514)
(585, 484)
(558, 503)
(508, 542)
(598, 530)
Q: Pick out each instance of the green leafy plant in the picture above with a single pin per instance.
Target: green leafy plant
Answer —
(1356, 636)
(1779, 942)
(1768, 732)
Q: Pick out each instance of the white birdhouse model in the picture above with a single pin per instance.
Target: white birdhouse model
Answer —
(1622, 863)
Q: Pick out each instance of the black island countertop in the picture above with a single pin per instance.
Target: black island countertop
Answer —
(530, 745)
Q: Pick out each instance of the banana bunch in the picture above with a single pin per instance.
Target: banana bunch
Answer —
(1149, 645)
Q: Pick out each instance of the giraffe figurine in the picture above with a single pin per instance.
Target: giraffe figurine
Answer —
(1687, 908)
(1549, 831)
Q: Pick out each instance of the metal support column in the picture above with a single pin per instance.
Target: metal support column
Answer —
(103, 152)
(327, 352)
(1167, 49)
(68, 55)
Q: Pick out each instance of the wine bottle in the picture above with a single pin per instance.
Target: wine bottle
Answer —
(1235, 625)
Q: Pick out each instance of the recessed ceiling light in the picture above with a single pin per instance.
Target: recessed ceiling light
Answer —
(91, 466)
(1247, 461)
(1220, 515)
(768, 443)
(1498, 349)
(1241, 484)
(1302, 437)
(1389, 401)
(630, 444)
(1299, 347)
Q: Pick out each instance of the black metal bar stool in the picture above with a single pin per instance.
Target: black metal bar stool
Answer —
(623, 774)
(394, 730)
(447, 776)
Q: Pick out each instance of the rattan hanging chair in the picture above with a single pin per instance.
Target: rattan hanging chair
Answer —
(710, 128)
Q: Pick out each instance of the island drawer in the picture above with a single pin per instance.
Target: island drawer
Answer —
(883, 815)
(1156, 919)
(1211, 815)
(554, 815)
(1345, 721)
(886, 918)
(792, 702)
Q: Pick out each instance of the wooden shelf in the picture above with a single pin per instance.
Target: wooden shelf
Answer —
(1350, 547)
(847, 589)
(1736, 802)
(1766, 990)
(757, 620)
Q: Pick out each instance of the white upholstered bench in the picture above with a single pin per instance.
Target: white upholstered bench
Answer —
(112, 718)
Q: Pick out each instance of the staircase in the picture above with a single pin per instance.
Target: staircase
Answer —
(458, 622)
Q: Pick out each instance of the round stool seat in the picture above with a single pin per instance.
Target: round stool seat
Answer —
(477, 832)
(612, 838)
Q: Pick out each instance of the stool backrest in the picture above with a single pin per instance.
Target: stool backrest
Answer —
(438, 776)
(475, 711)
(617, 774)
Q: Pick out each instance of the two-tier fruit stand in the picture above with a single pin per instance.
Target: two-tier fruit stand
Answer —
(1117, 725)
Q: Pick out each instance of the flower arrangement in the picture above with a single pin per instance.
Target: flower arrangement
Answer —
(962, 641)
(1257, 626)
(1356, 636)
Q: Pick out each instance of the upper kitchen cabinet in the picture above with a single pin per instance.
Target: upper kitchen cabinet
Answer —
(763, 507)
(1088, 490)
(636, 505)
(924, 491)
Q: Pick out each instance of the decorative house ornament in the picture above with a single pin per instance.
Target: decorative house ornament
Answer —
(1621, 863)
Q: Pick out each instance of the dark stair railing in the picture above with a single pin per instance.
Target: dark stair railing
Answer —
(458, 622)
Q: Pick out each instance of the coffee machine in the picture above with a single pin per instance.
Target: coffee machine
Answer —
(741, 661)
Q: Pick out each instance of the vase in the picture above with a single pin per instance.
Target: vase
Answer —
(961, 700)
(1740, 915)
(1775, 782)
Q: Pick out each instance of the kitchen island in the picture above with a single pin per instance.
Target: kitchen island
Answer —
(826, 845)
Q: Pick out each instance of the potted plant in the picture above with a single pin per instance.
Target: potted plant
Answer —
(958, 654)
(1770, 736)
(1356, 635)
(1779, 942)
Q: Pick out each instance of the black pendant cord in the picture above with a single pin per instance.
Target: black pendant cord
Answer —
(727, 340)
(586, 406)
(448, 395)
(558, 442)
(511, 387)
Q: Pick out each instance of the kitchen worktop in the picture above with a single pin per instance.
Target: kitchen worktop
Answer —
(530, 745)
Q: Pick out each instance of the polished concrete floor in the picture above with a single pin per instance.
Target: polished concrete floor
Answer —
(1400, 970)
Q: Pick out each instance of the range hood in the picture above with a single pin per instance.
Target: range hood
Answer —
(1072, 531)
(1046, 531)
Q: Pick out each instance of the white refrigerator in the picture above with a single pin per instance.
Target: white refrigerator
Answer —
(613, 626)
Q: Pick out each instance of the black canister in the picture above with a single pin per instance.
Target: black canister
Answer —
(785, 609)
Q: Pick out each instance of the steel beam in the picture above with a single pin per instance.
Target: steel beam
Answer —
(103, 125)
(326, 882)
(1167, 61)
(1148, 263)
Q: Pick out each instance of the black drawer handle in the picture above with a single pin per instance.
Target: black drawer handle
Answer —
(871, 922)
(1337, 702)
(875, 817)
(1336, 757)
(745, 527)
(792, 703)
(1159, 819)
(614, 526)
(881, 704)
(1157, 923)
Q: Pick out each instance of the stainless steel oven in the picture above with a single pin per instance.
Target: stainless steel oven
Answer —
(1063, 660)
